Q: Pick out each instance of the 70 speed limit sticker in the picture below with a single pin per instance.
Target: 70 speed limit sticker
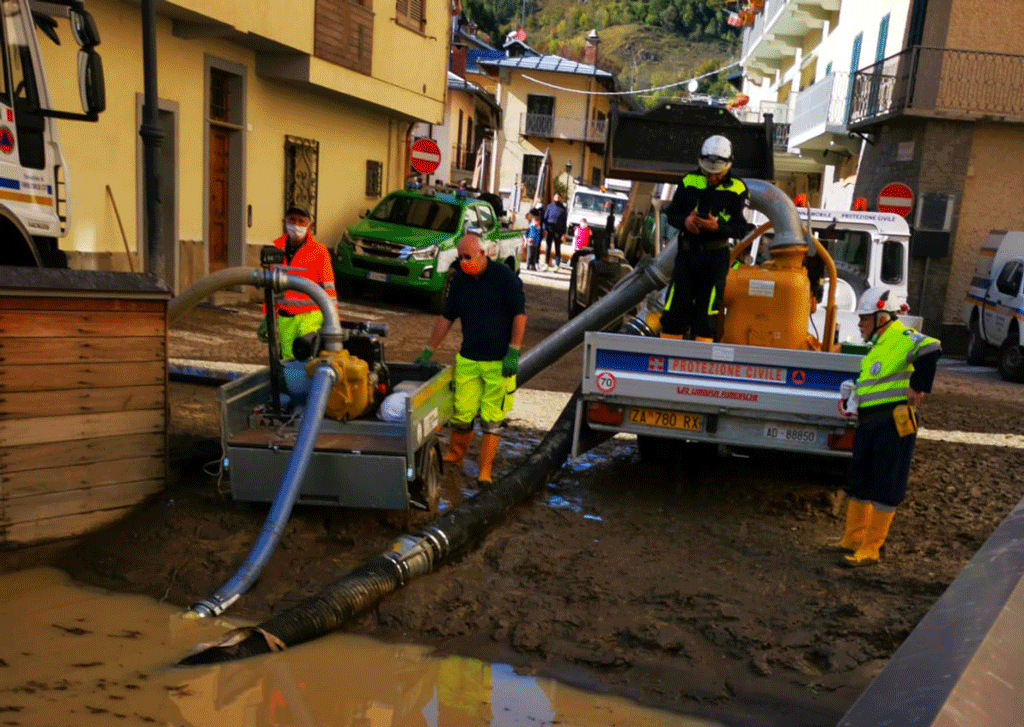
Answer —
(605, 382)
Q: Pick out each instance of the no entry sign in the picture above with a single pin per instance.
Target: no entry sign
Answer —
(426, 157)
(897, 198)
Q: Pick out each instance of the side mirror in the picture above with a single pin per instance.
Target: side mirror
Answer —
(83, 28)
(90, 82)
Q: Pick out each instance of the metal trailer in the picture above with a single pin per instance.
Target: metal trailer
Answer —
(359, 463)
(738, 395)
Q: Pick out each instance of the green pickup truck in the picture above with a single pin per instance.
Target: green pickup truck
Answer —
(409, 240)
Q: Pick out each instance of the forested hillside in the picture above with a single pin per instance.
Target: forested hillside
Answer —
(646, 43)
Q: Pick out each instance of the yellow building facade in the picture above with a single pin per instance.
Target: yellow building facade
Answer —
(262, 105)
(552, 106)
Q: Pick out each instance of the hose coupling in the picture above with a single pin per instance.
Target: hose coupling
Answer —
(412, 557)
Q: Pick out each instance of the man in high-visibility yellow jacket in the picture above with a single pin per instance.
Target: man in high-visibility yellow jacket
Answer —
(894, 377)
(707, 209)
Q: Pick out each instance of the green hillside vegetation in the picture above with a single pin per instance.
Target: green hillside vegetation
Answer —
(645, 43)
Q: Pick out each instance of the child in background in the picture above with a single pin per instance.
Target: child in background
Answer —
(582, 235)
(532, 236)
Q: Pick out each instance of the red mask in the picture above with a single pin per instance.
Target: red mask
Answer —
(472, 267)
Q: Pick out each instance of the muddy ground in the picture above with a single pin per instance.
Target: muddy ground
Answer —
(703, 590)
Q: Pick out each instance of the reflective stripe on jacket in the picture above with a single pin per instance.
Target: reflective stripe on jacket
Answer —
(885, 370)
(315, 262)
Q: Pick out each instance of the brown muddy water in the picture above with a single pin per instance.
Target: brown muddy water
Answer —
(84, 657)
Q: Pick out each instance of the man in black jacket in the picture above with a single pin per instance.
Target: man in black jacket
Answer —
(708, 210)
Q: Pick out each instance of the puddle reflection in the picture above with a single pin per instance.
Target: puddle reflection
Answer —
(73, 656)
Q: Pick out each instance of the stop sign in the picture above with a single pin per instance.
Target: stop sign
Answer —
(426, 157)
(897, 198)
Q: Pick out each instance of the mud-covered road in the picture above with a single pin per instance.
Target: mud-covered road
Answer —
(703, 590)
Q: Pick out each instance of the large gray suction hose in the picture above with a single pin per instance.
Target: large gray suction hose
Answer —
(417, 554)
(408, 557)
(323, 381)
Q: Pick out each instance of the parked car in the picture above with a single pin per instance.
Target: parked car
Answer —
(994, 305)
(408, 240)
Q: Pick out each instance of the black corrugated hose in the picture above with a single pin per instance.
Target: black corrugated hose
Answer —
(408, 557)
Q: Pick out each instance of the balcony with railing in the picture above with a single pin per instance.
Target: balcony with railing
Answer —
(939, 83)
(566, 128)
(775, 37)
(819, 117)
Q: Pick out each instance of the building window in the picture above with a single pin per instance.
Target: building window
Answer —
(301, 166)
(220, 95)
(374, 176)
(343, 33)
(410, 14)
(531, 172)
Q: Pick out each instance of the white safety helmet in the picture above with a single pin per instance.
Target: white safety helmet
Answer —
(878, 300)
(716, 155)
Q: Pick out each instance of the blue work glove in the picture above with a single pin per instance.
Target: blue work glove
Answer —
(510, 364)
(261, 331)
(424, 357)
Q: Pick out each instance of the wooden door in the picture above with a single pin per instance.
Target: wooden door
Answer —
(219, 141)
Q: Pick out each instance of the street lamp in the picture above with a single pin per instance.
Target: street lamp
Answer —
(592, 41)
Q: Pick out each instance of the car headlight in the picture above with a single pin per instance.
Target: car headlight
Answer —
(424, 253)
(347, 239)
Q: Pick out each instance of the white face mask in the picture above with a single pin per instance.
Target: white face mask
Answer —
(296, 232)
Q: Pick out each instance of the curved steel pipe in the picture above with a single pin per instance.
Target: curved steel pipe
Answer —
(777, 207)
(277, 280)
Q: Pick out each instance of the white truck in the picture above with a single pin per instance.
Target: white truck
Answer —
(743, 395)
(869, 249)
(34, 186)
(592, 204)
(994, 306)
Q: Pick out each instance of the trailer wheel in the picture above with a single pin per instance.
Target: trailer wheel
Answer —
(427, 485)
(1011, 359)
(976, 348)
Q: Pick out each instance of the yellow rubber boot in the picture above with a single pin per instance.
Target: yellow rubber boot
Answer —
(488, 448)
(458, 443)
(874, 538)
(857, 516)
(677, 336)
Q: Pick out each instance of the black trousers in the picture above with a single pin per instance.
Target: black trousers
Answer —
(697, 274)
(554, 237)
(881, 459)
(533, 255)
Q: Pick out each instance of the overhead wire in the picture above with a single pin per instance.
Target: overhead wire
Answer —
(631, 92)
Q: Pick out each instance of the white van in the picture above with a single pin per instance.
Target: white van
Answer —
(869, 249)
(590, 203)
(994, 307)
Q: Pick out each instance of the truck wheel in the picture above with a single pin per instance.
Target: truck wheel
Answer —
(437, 298)
(573, 307)
(976, 348)
(426, 488)
(1011, 359)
